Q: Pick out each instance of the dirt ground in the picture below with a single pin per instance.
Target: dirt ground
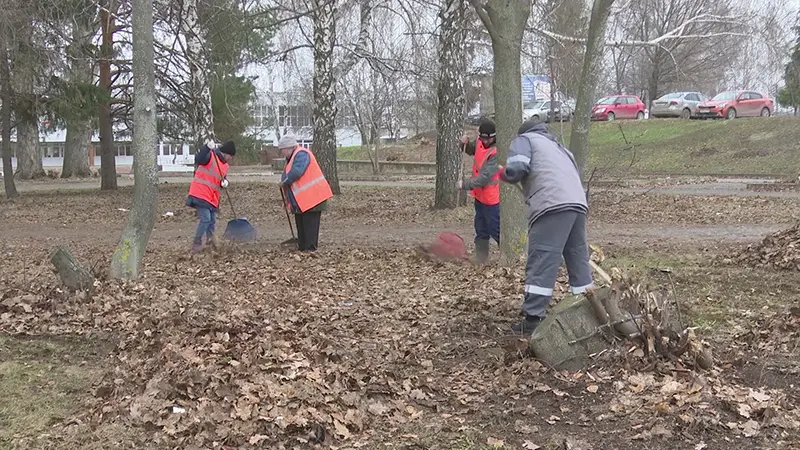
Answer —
(366, 344)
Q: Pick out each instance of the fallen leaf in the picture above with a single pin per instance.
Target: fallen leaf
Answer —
(528, 445)
(341, 430)
(496, 443)
(592, 388)
(759, 396)
(750, 428)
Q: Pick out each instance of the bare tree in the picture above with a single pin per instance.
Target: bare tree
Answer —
(450, 114)
(128, 255)
(505, 21)
(324, 17)
(5, 115)
(590, 74)
(79, 126)
(678, 62)
(108, 26)
(24, 61)
(201, 117)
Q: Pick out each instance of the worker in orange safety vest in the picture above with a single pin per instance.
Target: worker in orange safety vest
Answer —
(204, 192)
(485, 187)
(306, 189)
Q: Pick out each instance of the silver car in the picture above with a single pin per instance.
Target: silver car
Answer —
(540, 111)
(677, 104)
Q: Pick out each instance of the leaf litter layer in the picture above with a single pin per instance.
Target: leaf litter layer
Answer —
(369, 345)
(258, 348)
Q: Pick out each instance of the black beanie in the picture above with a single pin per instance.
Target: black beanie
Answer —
(228, 148)
(487, 129)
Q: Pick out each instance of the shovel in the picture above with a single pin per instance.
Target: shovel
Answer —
(238, 229)
(293, 240)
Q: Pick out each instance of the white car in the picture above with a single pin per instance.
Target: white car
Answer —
(539, 111)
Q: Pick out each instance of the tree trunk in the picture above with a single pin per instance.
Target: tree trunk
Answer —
(201, 116)
(590, 75)
(76, 149)
(79, 130)
(127, 258)
(324, 17)
(29, 154)
(5, 88)
(72, 273)
(652, 85)
(23, 76)
(108, 169)
(505, 20)
(450, 111)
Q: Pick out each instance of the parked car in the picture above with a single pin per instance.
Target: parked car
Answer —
(618, 107)
(733, 104)
(540, 112)
(677, 104)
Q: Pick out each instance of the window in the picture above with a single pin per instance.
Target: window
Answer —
(52, 150)
(261, 115)
(607, 101)
(124, 149)
(295, 116)
(693, 97)
(172, 149)
(744, 96)
(629, 100)
(755, 96)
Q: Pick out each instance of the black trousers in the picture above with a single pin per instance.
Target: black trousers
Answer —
(307, 230)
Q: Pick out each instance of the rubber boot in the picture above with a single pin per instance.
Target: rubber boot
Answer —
(482, 251)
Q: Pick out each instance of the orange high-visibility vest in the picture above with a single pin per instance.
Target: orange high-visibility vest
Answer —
(207, 181)
(489, 194)
(311, 188)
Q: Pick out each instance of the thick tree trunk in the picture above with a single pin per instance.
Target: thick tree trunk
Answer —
(324, 16)
(450, 112)
(127, 258)
(201, 116)
(71, 272)
(76, 149)
(590, 75)
(5, 113)
(108, 169)
(79, 130)
(506, 20)
(23, 76)
(29, 154)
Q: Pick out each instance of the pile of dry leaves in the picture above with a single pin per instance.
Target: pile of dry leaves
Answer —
(262, 348)
(780, 250)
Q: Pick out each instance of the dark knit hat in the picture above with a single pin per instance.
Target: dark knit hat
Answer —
(487, 129)
(228, 148)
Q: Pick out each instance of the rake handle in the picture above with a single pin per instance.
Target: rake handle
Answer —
(230, 202)
(288, 219)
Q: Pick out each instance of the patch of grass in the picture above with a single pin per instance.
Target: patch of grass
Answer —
(696, 147)
(41, 383)
(753, 146)
(712, 297)
(353, 152)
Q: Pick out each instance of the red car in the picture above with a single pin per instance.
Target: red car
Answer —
(618, 107)
(733, 104)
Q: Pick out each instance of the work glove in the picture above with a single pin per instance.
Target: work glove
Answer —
(224, 183)
(211, 144)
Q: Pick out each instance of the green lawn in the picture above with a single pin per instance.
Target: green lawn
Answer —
(673, 146)
(742, 146)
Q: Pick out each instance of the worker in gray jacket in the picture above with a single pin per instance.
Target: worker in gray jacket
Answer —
(557, 210)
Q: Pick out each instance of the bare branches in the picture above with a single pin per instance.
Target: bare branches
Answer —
(678, 33)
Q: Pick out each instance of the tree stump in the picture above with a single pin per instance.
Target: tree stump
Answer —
(570, 333)
(71, 272)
